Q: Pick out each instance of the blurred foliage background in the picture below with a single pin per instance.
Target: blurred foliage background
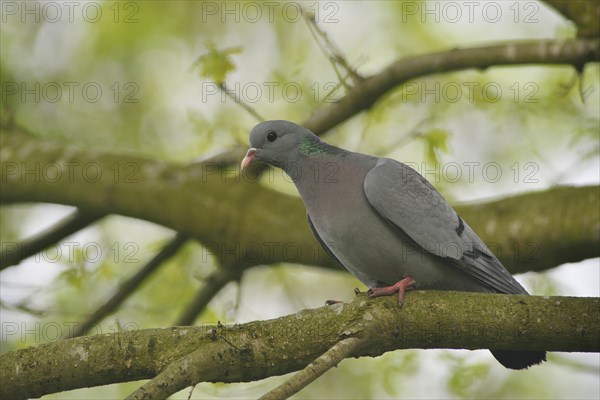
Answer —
(142, 78)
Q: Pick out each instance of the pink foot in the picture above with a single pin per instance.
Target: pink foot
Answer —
(400, 287)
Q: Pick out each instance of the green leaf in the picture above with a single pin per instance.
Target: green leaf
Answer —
(216, 64)
(106, 271)
(73, 277)
(435, 141)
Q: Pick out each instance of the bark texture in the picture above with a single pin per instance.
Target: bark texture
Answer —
(181, 356)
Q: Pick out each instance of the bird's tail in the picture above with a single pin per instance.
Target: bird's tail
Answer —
(515, 359)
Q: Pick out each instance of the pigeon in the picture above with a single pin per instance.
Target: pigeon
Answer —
(384, 222)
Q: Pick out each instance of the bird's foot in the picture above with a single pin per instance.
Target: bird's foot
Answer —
(401, 286)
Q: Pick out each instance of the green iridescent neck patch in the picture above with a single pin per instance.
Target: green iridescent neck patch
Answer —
(312, 146)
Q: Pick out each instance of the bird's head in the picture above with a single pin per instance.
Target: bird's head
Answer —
(277, 143)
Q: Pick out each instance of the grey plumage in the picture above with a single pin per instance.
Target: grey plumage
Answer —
(383, 221)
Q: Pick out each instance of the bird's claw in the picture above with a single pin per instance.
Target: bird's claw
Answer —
(400, 287)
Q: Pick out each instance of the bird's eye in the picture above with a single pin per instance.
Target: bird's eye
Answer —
(271, 136)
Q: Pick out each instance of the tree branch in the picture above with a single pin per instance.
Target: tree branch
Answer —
(332, 357)
(521, 229)
(584, 13)
(232, 95)
(256, 350)
(14, 253)
(213, 285)
(128, 287)
(371, 89)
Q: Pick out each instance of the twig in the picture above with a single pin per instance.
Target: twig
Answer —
(332, 357)
(213, 285)
(331, 50)
(240, 102)
(67, 226)
(177, 375)
(128, 287)
(22, 307)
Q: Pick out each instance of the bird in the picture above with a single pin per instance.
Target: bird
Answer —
(384, 222)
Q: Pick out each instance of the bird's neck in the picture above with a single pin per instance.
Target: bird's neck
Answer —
(312, 146)
(316, 162)
(325, 181)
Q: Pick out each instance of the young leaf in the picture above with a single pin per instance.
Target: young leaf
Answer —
(435, 140)
(216, 64)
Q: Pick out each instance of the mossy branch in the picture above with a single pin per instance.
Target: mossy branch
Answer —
(584, 13)
(256, 350)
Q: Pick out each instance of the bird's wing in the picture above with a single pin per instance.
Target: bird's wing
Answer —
(410, 203)
(320, 240)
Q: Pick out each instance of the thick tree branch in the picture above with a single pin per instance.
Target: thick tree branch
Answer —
(371, 89)
(584, 13)
(256, 350)
(537, 230)
(533, 231)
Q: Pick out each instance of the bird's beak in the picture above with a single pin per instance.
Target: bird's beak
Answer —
(249, 158)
